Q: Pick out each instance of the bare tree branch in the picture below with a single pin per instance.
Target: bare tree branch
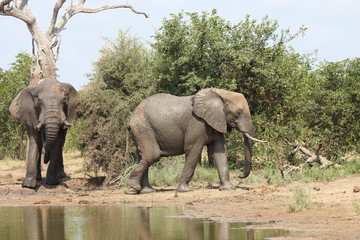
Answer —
(312, 157)
(99, 9)
(57, 7)
(20, 10)
(58, 49)
(79, 8)
(33, 58)
(3, 4)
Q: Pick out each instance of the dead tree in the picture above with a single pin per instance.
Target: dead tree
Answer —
(313, 157)
(44, 67)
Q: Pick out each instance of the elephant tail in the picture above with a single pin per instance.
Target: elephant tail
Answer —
(127, 157)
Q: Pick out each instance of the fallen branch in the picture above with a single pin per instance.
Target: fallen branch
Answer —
(313, 157)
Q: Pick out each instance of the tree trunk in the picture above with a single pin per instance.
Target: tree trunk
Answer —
(45, 62)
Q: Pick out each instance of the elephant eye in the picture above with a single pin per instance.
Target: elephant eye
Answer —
(37, 101)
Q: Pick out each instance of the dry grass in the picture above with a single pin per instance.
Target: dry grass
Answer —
(11, 164)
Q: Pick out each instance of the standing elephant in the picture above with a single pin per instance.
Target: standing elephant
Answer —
(47, 110)
(166, 125)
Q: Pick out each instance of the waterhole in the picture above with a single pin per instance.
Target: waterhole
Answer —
(113, 222)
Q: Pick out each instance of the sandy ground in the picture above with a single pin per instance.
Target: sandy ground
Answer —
(333, 215)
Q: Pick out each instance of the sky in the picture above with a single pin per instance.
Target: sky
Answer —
(333, 28)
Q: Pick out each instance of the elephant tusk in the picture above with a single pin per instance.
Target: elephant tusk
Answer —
(254, 139)
(66, 124)
(38, 127)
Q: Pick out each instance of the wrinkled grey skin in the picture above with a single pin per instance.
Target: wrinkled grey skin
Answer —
(166, 125)
(47, 110)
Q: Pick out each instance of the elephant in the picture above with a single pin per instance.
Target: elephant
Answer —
(47, 109)
(167, 125)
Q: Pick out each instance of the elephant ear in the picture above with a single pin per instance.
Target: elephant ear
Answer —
(210, 107)
(72, 103)
(22, 108)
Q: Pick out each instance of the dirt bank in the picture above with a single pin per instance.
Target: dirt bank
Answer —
(333, 215)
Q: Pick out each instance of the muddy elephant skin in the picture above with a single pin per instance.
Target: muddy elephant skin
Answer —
(47, 110)
(166, 125)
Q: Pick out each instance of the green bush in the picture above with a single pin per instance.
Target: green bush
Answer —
(12, 133)
(120, 82)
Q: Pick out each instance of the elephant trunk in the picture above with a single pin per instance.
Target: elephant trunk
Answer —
(248, 144)
(247, 128)
(51, 127)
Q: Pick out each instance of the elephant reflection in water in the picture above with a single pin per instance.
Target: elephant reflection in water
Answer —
(48, 222)
(151, 224)
(41, 223)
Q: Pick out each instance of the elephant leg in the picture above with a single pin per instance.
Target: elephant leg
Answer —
(55, 163)
(145, 185)
(32, 156)
(52, 173)
(61, 172)
(149, 152)
(217, 151)
(191, 160)
(134, 180)
(38, 165)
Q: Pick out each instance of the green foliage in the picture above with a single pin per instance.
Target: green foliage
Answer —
(300, 200)
(201, 51)
(166, 172)
(352, 167)
(73, 136)
(120, 81)
(332, 106)
(12, 81)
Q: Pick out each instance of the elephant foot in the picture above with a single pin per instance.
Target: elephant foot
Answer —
(29, 183)
(182, 187)
(62, 174)
(227, 186)
(134, 184)
(52, 180)
(145, 190)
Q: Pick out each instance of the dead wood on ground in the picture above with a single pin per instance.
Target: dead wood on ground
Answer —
(313, 157)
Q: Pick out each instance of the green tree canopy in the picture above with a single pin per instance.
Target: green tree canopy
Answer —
(12, 81)
(332, 104)
(201, 51)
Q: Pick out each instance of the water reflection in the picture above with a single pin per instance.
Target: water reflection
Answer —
(110, 222)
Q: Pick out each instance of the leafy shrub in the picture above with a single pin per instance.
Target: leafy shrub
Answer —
(12, 81)
(120, 82)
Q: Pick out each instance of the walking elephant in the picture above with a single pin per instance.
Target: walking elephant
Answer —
(166, 125)
(47, 110)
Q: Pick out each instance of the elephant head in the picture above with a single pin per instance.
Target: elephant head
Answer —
(46, 107)
(224, 110)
